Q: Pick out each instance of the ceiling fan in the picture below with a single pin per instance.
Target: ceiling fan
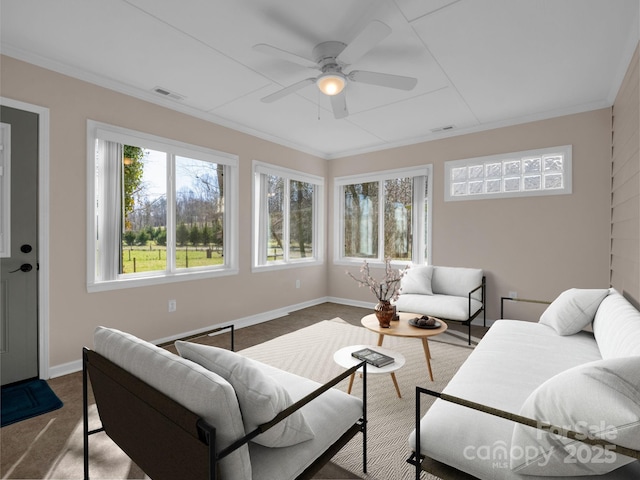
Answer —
(331, 58)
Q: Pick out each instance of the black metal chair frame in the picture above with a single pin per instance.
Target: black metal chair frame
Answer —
(514, 299)
(168, 441)
(483, 288)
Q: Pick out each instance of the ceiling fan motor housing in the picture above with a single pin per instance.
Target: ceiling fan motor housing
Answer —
(332, 81)
(325, 55)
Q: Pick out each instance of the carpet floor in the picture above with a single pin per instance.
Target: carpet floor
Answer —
(390, 419)
(50, 446)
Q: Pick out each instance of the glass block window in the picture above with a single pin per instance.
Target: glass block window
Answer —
(535, 172)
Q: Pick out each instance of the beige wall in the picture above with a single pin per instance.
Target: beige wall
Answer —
(536, 246)
(625, 185)
(74, 313)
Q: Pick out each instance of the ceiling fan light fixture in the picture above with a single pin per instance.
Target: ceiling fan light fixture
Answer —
(331, 83)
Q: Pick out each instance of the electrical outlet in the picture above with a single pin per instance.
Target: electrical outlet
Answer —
(172, 305)
(513, 294)
(297, 283)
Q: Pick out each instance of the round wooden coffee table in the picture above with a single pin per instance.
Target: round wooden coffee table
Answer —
(401, 328)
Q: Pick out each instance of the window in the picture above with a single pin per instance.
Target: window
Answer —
(384, 215)
(534, 172)
(288, 217)
(159, 210)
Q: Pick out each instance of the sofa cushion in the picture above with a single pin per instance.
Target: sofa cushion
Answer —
(261, 398)
(573, 310)
(456, 281)
(617, 327)
(417, 280)
(198, 389)
(599, 399)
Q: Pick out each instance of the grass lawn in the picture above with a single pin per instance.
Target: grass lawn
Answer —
(144, 259)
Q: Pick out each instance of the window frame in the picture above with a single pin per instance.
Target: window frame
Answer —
(565, 150)
(421, 247)
(259, 213)
(97, 130)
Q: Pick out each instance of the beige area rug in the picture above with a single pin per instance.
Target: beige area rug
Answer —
(309, 352)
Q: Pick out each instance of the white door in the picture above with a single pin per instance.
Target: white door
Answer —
(19, 266)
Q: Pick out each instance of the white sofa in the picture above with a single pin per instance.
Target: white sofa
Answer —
(551, 371)
(211, 413)
(449, 293)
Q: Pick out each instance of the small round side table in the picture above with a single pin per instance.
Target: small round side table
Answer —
(343, 358)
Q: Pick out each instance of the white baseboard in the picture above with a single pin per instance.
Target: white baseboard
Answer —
(351, 303)
(76, 365)
(65, 369)
(246, 321)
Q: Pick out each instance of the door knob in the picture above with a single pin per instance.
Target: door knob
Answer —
(25, 267)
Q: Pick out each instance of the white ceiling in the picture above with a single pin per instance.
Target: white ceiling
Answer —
(479, 63)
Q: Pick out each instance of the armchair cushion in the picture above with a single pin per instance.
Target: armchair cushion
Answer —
(441, 306)
(599, 399)
(456, 281)
(417, 280)
(260, 397)
(573, 310)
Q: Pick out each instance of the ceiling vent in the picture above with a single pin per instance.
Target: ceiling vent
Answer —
(167, 93)
(443, 129)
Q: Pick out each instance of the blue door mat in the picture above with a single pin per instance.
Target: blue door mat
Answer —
(26, 400)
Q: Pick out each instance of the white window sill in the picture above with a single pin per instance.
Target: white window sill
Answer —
(285, 265)
(157, 280)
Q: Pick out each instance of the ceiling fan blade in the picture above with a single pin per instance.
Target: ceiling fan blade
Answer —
(339, 105)
(288, 90)
(383, 79)
(284, 55)
(368, 38)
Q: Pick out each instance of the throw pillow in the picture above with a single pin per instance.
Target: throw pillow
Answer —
(598, 399)
(260, 397)
(573, 310)
(417, 280)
